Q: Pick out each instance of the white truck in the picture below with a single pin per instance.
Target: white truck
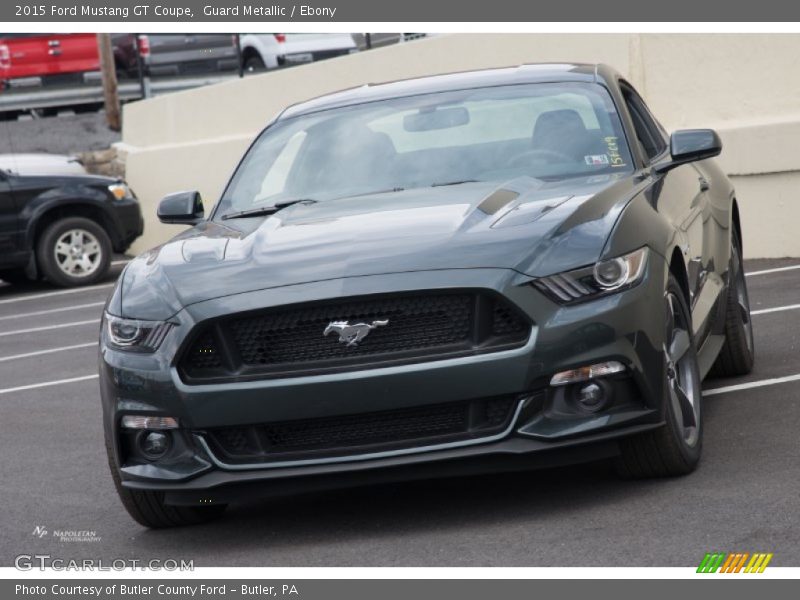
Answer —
(272, 50)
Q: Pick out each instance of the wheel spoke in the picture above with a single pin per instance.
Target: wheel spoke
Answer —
(686, 406)
(670, 316)
(68, 264)
(62, 247)
(679, 346)
(91, 247)
(745, 312)
(676, 404)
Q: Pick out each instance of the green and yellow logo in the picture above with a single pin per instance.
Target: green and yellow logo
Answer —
(734, 562)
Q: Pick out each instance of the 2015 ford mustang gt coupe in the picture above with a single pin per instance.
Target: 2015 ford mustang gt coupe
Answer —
(473, 272)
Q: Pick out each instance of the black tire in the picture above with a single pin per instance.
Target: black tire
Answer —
(147, 508)
(50, 111)
(124, 74)
(254, 63)
(665, 452)
(87, 108)
(14, 276)
(46, 248)
(738, 352)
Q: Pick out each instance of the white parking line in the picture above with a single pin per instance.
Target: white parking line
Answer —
(764, 311)
(49, 351)
(33, 386)
(114, 263)
(88, 288)
(51, 310)
(775, 270)
(60, 326)
(750, 385)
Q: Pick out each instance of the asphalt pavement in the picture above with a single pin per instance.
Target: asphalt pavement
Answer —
(743, 497)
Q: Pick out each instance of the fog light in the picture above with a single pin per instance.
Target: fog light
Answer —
(148, 422)
(586, 373)
(154, 444)
(591, 396)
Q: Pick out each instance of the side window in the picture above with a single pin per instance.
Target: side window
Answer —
(647, 130)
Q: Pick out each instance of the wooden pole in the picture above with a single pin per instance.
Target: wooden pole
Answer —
(110, 92)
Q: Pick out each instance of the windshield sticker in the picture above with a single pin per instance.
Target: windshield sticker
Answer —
(613, 151)
(596, 159)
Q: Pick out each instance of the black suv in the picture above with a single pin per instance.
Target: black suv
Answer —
(64, 228)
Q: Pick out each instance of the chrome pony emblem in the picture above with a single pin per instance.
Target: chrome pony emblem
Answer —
(352, 334)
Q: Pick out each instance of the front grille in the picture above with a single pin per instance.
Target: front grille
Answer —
(291, 341)
(204, 354)
(361, 433)
(296, 336)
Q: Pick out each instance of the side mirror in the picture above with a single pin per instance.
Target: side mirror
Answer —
(185, 208)
(690, 145)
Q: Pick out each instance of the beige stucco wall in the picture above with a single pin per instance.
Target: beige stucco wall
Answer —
(747, 86)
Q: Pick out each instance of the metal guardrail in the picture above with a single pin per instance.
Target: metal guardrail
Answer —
(26, 99)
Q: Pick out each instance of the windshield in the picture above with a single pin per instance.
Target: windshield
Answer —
(547, 131)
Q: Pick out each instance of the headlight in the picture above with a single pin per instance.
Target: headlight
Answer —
(133, 335)
(587, 283)
(120, 191)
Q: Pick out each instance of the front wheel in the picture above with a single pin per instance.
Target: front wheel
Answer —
(74, 251)
(737, 354)
(673, 449)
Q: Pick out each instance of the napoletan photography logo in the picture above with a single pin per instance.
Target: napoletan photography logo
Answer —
(66, 535)
(734, 562)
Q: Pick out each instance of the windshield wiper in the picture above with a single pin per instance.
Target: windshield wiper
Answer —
(459, 182)
(266, 210)
(373, 193)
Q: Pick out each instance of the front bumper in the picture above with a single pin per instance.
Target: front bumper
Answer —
(127, 221)
(298, 58)
(545, 428)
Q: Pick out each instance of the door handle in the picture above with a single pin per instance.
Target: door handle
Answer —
(704, 184)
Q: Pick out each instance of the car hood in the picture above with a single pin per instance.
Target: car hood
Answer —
(534, 227)
(42, 164)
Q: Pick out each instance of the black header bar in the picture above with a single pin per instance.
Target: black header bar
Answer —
(431, 11)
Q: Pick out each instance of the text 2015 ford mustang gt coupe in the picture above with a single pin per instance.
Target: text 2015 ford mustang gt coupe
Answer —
(471, 272)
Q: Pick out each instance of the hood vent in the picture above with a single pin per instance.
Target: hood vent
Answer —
(497, 200)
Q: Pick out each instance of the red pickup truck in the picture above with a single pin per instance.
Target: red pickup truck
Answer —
(28, 60)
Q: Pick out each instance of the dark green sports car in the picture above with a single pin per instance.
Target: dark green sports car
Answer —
(472, 272)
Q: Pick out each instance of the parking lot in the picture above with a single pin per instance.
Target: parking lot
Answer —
(743, 497)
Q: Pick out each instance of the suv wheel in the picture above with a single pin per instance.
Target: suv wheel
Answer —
(74, 251)
(673, 449)
(147, 508)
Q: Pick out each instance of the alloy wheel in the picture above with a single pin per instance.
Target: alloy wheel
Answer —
(742, 299)
(78, 253)
(683, 379)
